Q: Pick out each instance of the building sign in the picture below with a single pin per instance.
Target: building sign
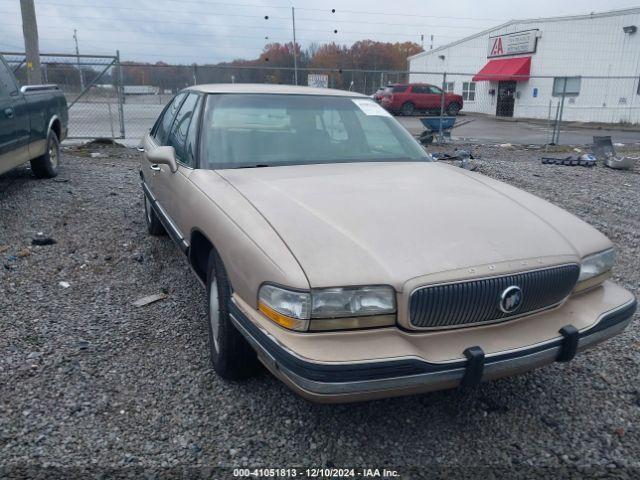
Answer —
(512, 44)
(318, 80)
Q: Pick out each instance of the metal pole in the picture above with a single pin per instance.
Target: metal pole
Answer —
(120, 94)
(195, 74)
(564, 92)
(75, 38)
(444, 85)
(30, 33)
(295, 53)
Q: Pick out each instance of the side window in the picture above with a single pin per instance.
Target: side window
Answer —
(164, 124)
(178, 135)
(7, 84)
(434, 90)
(418, 89)
(469, 91)
(191, 147)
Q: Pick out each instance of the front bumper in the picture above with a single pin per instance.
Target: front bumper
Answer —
(365, 380)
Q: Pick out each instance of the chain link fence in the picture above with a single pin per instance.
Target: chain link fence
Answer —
(114, 99)
(91, 85)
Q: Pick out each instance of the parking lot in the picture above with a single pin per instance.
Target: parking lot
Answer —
(484, 129)
(86, 377)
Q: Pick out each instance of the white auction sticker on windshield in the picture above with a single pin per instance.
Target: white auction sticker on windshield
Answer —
(369, 107)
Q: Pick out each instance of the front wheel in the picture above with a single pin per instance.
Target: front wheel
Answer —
(46, 166)
(231, 355)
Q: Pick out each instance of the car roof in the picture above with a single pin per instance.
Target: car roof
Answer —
(271, 89)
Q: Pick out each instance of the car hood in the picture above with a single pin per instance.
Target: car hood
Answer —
(372, 223)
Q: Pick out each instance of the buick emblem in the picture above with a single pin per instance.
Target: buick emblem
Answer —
(511, 299)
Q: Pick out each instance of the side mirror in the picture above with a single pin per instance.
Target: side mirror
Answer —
(163, 156)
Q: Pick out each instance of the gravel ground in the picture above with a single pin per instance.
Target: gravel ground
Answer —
(88, 380)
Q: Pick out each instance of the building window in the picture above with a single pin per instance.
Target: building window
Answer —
(469, 91)
(448, 87)
(572, 88)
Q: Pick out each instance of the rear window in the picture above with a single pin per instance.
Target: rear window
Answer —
(396, 88)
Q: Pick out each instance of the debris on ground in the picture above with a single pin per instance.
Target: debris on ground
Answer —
(64, 284)
(584, 160)
(41, 239)
(25, 252)
(98, 155)
(605, 151)
(4, 248)
(621, 163)
(141, 302)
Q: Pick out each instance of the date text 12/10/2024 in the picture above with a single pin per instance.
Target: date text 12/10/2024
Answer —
(315, 472)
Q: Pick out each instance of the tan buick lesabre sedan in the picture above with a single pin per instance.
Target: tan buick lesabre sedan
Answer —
(352, 266)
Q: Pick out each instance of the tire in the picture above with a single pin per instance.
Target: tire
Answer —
(46, 166)
(453, 109)
(154, 225)
(408, 108)
(231, 355)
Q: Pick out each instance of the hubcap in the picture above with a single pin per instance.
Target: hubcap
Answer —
(214, 312)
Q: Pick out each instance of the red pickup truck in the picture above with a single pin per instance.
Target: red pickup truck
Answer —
(408, 98)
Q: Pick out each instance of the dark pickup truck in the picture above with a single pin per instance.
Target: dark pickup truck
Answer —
(33, 122)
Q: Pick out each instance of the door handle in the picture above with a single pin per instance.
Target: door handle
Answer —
(8, 112)
(155, 167)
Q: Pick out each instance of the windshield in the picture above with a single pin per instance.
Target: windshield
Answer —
(271, 129)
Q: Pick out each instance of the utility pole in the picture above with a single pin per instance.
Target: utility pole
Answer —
(295, 52)
(75, 37)
(422, 41)
(431, 47)
(30, 33)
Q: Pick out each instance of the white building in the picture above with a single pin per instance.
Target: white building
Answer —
(519, 68)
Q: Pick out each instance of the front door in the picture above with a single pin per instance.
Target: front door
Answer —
(506, 99)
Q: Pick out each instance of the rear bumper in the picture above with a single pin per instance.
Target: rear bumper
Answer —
(345, 382)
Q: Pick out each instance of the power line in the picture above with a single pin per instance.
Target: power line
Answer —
(174, 22)
(253, 5)
(340, 33)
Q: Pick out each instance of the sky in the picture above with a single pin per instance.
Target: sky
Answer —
(205, 31)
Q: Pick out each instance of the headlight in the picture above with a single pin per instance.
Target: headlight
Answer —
(352, 302)
(329, 308)
(288, 308)
(594, 267)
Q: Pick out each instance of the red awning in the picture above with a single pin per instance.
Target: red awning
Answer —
(515, 69)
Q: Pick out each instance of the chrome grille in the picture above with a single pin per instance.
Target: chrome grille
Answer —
(477, 301)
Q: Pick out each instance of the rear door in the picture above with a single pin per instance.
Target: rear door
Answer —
(418, 96)
(433, 97)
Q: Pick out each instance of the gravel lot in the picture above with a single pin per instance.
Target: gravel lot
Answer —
(88, 380)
